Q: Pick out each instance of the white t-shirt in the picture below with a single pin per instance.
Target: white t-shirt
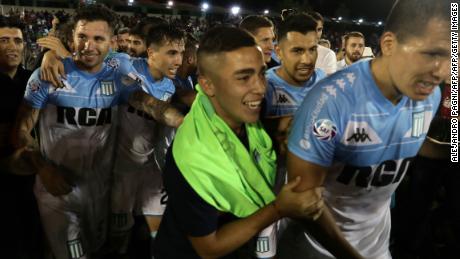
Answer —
(326, 60)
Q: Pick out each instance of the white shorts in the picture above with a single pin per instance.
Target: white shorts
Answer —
(138, 193)
(75, 224)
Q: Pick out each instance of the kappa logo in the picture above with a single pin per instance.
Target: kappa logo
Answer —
(282, 98)
(360, 134)
(331, 90)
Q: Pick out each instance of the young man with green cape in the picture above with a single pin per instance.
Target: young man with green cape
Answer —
(220, 169)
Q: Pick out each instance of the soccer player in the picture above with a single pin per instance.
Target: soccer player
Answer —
(186, 76)
(357, 131)
(220, 168)
(289, 83)
(138, 185)
(77, 132)
(122, 40)
(137, 46)
(354, 49)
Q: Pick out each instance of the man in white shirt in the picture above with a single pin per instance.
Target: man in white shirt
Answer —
(326, 57)
(354, 49)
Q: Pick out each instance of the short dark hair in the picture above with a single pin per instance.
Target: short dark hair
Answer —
(301, 23)
(409, 18)
(11, 22)
(355, 34)
(137, 31)
(222, 39)
(316, 16)
(97, 12)
(123, 30)
(163, 33)
(252, 23)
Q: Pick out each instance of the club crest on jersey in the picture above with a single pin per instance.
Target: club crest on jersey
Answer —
(75, 248)
(324, 129)
(34, 85)
(263, 245)
(107, 88)
(418, 121)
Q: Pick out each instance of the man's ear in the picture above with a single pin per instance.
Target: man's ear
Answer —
(278, 51)
(150, 51)
(207, 85)
(388, 43)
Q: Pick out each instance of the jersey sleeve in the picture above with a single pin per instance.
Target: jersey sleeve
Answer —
(316, 128)
(36, 94)
(126, 69)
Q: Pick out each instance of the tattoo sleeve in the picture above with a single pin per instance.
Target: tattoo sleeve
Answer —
(161, 111)
(26, 119)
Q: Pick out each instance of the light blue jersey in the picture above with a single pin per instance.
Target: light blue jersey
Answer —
(76, 123)
(283, 99)
(346, 124)
(138, 130)
(78, 126)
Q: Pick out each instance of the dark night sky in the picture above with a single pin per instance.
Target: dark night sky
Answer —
(367, 9)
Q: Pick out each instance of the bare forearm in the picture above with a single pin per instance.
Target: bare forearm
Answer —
(161, 111)
(235, 234)
(327, 233)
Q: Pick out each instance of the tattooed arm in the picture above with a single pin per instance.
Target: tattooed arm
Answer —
(161, 111)
(26, 151)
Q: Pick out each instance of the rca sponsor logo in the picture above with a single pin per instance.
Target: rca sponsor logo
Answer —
(84, 116)
(386, 173)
